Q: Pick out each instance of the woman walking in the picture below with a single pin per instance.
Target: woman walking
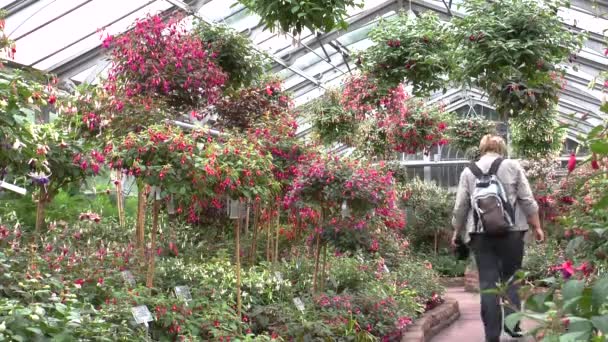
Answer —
(494, 206)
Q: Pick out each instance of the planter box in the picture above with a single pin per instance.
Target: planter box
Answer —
(432, 322)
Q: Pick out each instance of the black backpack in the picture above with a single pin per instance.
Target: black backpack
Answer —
(493, 214)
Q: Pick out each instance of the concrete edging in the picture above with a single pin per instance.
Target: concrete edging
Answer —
(432, 322)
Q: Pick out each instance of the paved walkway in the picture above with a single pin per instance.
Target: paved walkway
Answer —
(468, 328)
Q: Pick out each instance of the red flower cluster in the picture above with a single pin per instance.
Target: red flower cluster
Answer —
(158, 57)
(360, 95)
(415, 127)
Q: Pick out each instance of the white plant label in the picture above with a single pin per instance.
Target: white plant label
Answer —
(299, 304)
(13, 188)
(128, 278)
(141, 314)
(183, 293)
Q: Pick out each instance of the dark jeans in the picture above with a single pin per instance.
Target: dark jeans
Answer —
(497, 258)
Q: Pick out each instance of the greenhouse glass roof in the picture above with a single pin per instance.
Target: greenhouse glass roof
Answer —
(64, 37)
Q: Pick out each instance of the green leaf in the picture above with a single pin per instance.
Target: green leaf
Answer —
(600, 147)
(575, 336)
(573, 289)
(600, 323)
(34, 330)
(512, 320)
(602, 203)
(600, 292)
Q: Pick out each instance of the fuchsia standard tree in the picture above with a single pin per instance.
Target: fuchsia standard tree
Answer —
(345, 194)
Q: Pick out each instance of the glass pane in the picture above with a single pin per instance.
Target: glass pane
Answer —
(36, 15)
(218, 9)
(72, 27)
(95, 39)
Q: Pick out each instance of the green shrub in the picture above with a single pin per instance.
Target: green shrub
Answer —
(446, 264)
(539, 258)
(430, 211)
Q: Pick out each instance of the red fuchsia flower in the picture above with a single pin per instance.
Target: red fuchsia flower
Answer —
(572, 163)
(52, 99)
(566, 268)
(100, 281)
(585, 268)
(78, 282)
(594, 163)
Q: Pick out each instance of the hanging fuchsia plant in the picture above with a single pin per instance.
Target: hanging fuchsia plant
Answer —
(415, 128)
(161, 59)
(360, 95)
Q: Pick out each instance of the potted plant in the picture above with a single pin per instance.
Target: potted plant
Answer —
(295, 16)
(410, 49)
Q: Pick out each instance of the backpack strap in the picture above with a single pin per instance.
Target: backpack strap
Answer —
(476, 170)
(495, 165)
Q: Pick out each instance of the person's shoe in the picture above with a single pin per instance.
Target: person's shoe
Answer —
(516, 333)
(493, 339)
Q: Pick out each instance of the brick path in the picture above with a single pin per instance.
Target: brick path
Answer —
(468, 328)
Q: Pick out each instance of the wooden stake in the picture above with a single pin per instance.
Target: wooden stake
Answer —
(323, 276)
(152, 260)
(315, 276)
(268, 241)
(246, 230)
(141, 218)
(119, 199)
(278, 228)
(254, 241)
(40, 211)
(238, 272)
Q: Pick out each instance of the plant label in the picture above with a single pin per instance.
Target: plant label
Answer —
(278, 276)
(299, 304)
(334, 282)
(385, 269)
(13, 188)
(183, 293)
(141, 314)
(234, 209)
(128, 277)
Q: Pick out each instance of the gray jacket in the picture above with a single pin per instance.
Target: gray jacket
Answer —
(512, 176)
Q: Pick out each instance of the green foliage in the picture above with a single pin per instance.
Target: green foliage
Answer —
(444, 263)
(295, 16)
(537, 136)
(22, 100)
(511, 48)
(431, 209)
(416, 50)
(67, 205)
(330, 121)
(540, 258)
(466, 133)
(236, 54)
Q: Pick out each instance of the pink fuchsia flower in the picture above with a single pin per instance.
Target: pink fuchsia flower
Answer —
(572, 163)
(566, 268)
